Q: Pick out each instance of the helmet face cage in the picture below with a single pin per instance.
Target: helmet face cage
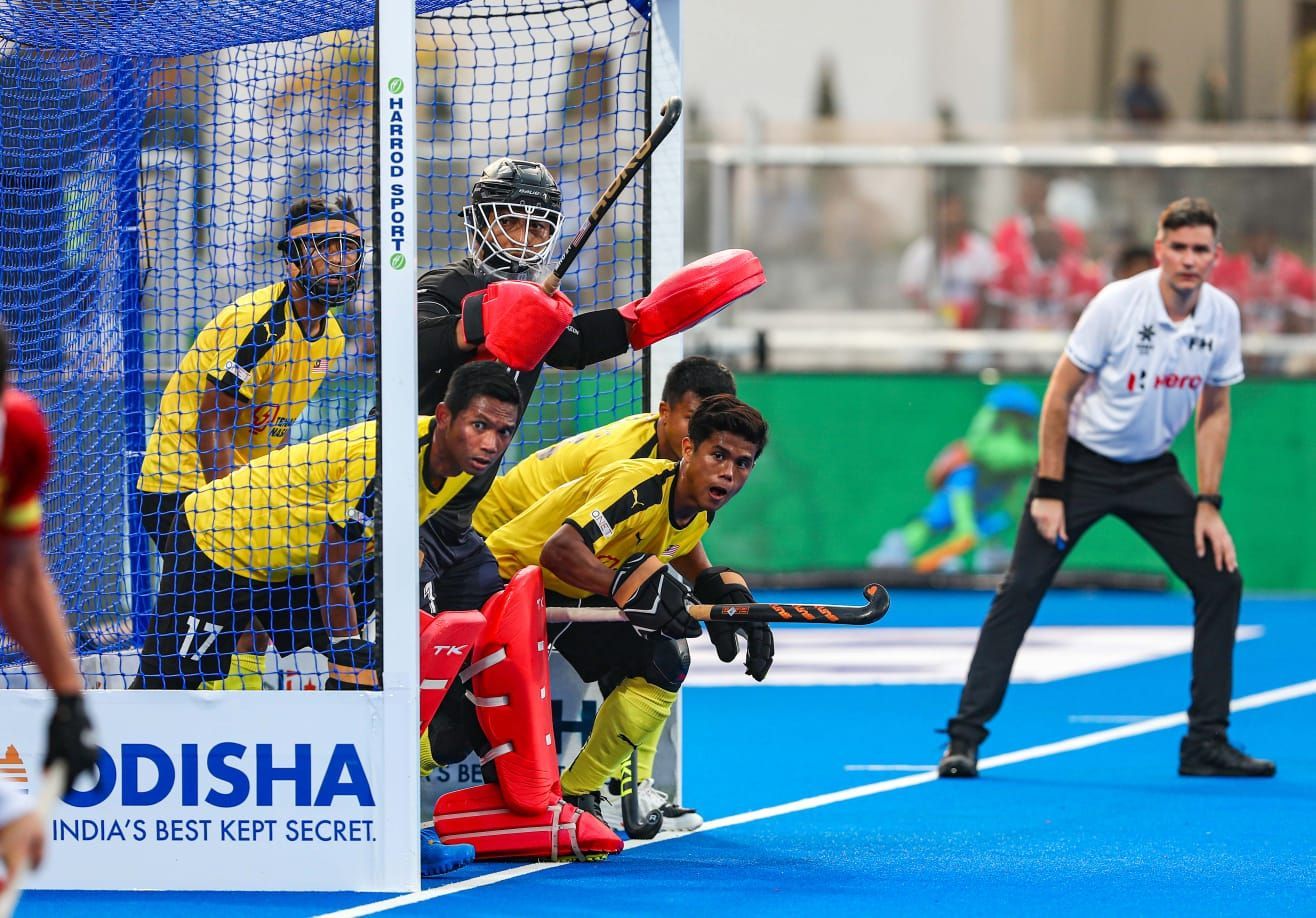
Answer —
(499, 239)
(341, 253)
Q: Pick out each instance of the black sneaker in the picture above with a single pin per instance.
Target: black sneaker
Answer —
(1213, 757)
(589, 803)
(960, 760)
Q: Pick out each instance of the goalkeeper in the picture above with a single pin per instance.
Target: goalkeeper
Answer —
(275, 540)
(608, 538)
(251, 372)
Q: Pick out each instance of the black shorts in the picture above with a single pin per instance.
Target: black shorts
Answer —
(605, 652)
(458, 573)
(202, 609)
(161, 515)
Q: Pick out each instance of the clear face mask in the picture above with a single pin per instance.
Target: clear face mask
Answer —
(506, 239)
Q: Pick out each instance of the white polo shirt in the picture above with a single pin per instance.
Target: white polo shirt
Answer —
(1147, 371)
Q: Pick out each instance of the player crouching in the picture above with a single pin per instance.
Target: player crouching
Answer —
(606, 539)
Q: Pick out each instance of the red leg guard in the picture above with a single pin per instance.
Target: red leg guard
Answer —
(509, 675)
(445, 642)
(479, 816)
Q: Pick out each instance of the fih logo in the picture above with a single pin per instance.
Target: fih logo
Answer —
(13, 769)
(225, 775)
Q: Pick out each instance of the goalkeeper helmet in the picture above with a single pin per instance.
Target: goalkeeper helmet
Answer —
(328, 262)
(514, 218)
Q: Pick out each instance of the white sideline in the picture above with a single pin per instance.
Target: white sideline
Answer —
(1086, 741)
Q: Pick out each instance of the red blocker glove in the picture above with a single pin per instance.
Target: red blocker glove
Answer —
(721, 586)
(691, 294)
(653, 599)
(515, 322)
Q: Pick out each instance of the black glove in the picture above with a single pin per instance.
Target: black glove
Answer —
(721, 586)
(70, 739)
(653, 599)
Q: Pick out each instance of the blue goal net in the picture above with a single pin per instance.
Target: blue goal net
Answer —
(167, 169)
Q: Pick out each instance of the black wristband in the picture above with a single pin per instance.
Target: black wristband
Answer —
(1215, 500)
(1050, 488)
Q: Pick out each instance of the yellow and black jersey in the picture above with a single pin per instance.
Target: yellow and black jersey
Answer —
(266, 521)
(619, 510)
(254, 350)
(635, 437)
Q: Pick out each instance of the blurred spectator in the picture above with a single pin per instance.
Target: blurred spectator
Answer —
(1013, 235)
(1141, 101)
(1213, 94)
(1273, 287)
(949, 269)
(1131, 260)
(1047, 286)
(1302, 79)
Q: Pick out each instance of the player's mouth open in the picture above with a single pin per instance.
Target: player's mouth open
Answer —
(717, 493)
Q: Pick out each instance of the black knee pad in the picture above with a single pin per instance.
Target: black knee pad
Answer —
(668, 664)
(450, 731)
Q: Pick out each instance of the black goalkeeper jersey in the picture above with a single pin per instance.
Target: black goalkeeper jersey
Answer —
(590, 338)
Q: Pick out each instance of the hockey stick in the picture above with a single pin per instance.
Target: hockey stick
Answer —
(51, 786)
(637, 825)
(670, 112)
(878, 604)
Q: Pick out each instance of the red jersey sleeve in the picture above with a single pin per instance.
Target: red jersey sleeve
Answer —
(24, 465)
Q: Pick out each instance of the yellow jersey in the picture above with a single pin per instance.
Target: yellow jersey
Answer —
(266, 521)
(635, 437)
(254, 350)
(619, 510)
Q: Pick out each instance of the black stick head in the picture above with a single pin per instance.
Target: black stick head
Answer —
(879, 602)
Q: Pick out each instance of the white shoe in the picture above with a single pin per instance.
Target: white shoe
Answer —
(676, 818)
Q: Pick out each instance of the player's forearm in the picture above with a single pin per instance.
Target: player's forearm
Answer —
(1052, 436)
(338, 610)
(217, 420)
(332, 578)
(567, 557)
(1212, 443)
(34, 621)
(1053, 426)
(215, 448)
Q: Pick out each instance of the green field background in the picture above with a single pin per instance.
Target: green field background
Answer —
(848, 454)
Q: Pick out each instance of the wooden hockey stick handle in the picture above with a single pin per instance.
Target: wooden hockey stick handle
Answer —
(671, 111)
(770, 612)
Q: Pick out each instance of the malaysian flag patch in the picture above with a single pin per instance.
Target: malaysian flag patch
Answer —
(320, 367)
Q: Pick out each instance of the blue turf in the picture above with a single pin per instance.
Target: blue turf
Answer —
(1106, 829)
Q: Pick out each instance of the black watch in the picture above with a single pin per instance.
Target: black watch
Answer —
(1215, 500)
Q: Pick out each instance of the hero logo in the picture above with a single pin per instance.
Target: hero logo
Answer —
(1138, 381)
(225, 776)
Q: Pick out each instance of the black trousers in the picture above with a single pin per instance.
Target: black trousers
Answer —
(161, 515)
(1155, 500)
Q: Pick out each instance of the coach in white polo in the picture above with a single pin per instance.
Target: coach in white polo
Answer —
(1144, 353)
